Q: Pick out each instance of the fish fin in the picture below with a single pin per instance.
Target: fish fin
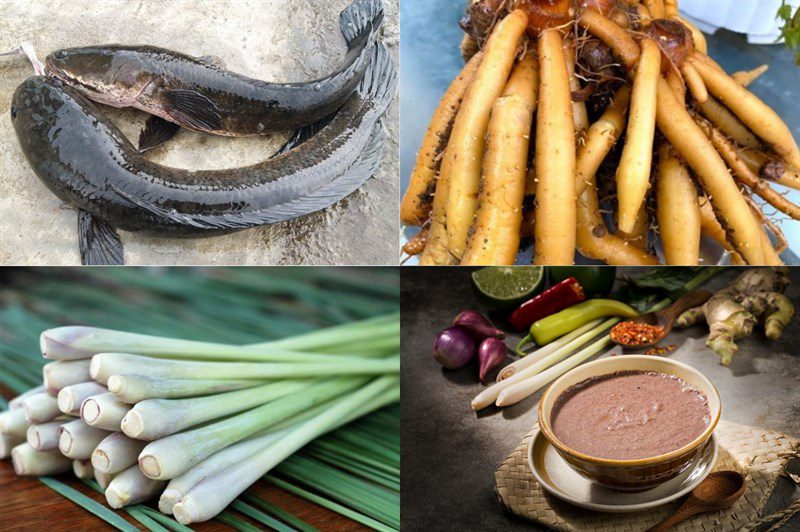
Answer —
(343, 185)
(380, 79)
(360, 19)
(156, 132)
(192, 110)
(99, 242)
(212, 60)
(305, 133)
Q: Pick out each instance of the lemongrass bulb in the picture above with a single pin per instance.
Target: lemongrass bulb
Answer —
(103, 479)
(44, 436)
(41, 408)
(116, 452)
(7, 443)
(17, 401)
(132, 389)
(30, 462)
(71, 397)
(13, 423)
(131, 487)
(104, 411)
(58, 375)
(83, 468)
(77, 439)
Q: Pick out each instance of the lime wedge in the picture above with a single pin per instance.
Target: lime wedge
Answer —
(504, 287)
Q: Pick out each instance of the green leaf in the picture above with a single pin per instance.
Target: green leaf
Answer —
(90, 505)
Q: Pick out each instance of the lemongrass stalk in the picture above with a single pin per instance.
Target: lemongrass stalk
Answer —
(104, 411)
(103, 479)
(539, 354)
(13, 423)
(347, 334)
(44, 436)
(77, 440)
(157, 418)
(30, 462)
(71, 397)
(135, 388)
(169, 457)
(104, 365)
(83, 468)
(238, 452)
(519, 391)
(490, 394)
(76, 342)
(116, 452)
(242, 451)
(131, 487)
(40, 408)
(60, 374)
(17, 401)
(7, 443)
(212, 494)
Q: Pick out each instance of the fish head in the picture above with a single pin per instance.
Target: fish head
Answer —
(35, 103)
(113, 75)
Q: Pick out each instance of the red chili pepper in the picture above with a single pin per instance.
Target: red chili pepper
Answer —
(558, 297)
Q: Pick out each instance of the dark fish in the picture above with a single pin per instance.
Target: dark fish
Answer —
(86, 161)
(198, 94)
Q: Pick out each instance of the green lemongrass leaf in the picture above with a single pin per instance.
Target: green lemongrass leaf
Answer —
(261, 517)
(151, 524)
(88, 504)
(280, 513)
(167, 522)
(330, 505)
(235, 522)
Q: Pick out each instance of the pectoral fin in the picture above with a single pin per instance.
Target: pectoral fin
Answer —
(191, 110)
(99, 242)
(156, 132)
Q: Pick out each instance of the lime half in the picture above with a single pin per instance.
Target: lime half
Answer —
(504, 287)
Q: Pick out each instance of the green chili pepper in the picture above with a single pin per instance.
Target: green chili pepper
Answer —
(556, 325)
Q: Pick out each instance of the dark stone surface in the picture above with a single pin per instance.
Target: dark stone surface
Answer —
(450, 454)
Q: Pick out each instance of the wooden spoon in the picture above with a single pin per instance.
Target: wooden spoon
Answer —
(666, 317)
(717, 491)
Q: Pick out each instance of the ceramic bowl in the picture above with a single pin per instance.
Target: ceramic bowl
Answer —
(638, 474)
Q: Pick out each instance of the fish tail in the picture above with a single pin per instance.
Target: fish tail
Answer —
(361, 18)
(380, 80)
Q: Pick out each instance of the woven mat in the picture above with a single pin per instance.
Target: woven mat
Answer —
(759, 454)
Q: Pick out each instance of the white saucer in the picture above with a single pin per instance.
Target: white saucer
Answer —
(560, 480)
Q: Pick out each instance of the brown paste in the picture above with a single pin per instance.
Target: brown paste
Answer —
(629, 415)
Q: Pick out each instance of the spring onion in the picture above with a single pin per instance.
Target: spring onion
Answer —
(104, 411)
(157, 418)
(131, 487)
(40, 408)
(44, 436)
(83, 469)
(104, 365)
(77, 440)
(30, 462)
(169, 457)
(116, 452)
(212, 494)
(60, 374)
(71, 397)
(135, 388)
(13, 423)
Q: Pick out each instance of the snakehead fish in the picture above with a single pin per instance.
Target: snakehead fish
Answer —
(86, 161)
(198, 94)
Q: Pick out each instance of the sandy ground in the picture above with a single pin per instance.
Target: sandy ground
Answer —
(276, 40)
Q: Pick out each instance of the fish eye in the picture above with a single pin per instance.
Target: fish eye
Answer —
(61, 54)
(14, 111)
